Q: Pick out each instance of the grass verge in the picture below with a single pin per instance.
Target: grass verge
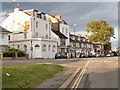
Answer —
(27, 76)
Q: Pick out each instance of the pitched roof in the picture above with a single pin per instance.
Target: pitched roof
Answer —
(58, 33)
(74, 35)
(4, 30)
(76, 41)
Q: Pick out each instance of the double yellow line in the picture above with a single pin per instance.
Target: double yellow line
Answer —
(77, 82)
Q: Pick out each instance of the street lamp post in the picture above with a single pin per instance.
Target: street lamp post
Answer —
(13, 26)
(31, 49)
(74, 36)
(74, 28)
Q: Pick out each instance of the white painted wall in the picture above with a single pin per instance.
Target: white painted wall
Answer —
(16, 21)
(47, 53)
(3, 38)
(37, 53)
(63, 28)
(20, 18)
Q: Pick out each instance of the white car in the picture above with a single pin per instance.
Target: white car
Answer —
(108, 55)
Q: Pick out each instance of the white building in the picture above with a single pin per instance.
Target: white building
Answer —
(3, 39)
(80, 44)
(61, 30)
(32, 33)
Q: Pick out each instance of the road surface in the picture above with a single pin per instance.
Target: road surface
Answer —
(95, 73)
(98, 73)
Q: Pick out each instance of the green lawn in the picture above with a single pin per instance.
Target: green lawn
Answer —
(27, 76)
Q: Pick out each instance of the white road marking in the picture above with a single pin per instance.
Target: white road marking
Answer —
(100, 61)
(116, 63)
(77, 82)
(80, 78)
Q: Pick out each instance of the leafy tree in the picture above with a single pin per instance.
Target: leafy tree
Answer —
(100, 31)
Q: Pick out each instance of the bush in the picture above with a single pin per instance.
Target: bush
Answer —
(21, 54)
(9, 54)
(12, 52)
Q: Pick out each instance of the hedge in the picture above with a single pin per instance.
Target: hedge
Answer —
(11, 53)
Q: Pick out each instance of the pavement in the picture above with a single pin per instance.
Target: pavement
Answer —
(58, 79)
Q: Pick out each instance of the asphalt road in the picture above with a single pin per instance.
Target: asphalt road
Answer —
(96, 73)
(71, 61)
(100, 73)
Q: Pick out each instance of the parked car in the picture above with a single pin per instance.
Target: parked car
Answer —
(109, 55)
(60, 55)
(97, 55)
(115, 53)
(82, 55)
(90, 55)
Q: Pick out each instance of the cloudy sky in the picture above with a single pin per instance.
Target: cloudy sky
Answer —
(78, 13)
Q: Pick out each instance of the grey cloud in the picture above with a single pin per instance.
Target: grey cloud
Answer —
(77, 12)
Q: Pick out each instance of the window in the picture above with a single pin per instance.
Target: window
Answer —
(25, 35)
(25, 47)
(49, 47)
(3, 36)
(82, 45)
(18, 47)
(62, 41)
(44, 48)
(53, 48)
(62, 30)
(46, 26)
(8, 37)
(37, 45)
(46, 36)
(36, 35)
(36, 24)
(66, 30)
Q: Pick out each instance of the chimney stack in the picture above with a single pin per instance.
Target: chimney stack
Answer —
(58, 16)
(17, 8)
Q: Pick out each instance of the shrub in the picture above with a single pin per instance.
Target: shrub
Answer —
(9, 54)
(21, 54)
(12, 52)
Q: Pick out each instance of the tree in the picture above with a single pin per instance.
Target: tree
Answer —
(100, 31)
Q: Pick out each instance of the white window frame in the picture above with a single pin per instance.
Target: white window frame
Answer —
(54, 48)
(49, 48)
(44, 48)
